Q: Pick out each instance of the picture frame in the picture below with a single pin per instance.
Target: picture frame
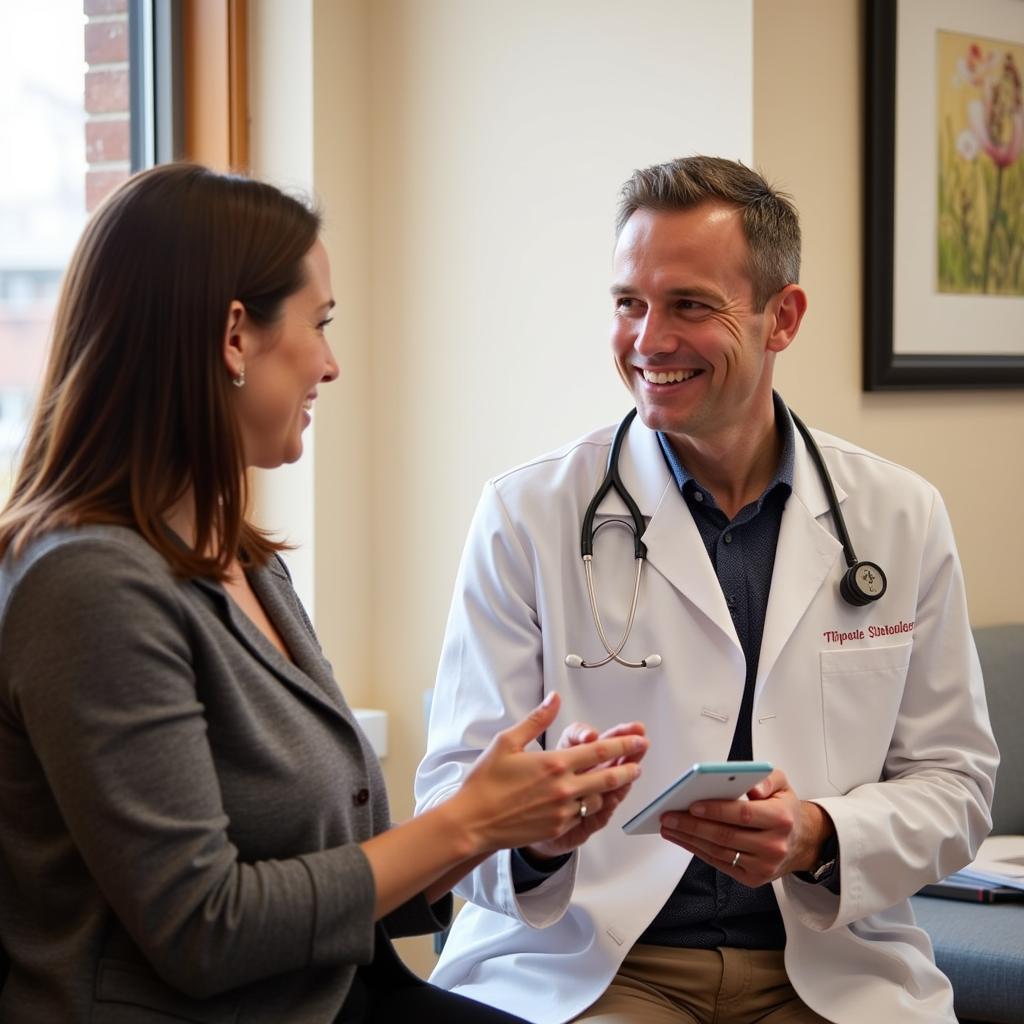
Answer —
(915, 335)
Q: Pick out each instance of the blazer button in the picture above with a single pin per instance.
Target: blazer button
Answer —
(360, 797)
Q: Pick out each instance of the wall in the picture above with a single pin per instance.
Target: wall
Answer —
(500, 136)
(344, 511)
(808, 113)
(310, 132)
(281, 151)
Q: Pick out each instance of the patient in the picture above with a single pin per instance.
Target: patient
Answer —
(194, 827)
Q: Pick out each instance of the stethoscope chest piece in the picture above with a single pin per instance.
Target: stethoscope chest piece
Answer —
(862, 583)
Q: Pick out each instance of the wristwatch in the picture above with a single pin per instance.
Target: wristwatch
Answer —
(826, 862)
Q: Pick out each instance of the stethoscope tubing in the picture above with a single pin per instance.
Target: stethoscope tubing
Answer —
(863, 582)
(612, 481)
(830, 492)
(588, 568)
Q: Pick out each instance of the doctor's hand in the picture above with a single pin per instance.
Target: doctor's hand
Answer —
(773, 831)
(514, 797)
(600, 807)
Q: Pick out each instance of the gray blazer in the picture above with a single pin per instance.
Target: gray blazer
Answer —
(181, 806)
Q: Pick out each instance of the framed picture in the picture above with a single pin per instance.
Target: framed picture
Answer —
(944, 196)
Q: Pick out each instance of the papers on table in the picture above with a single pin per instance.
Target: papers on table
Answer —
(1000, 861)
(996, 875)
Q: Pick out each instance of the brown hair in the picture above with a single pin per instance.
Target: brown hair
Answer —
(135, 404)
(770, 221)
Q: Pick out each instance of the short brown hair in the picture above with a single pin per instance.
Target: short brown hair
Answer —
(770, 221)
(135, 404)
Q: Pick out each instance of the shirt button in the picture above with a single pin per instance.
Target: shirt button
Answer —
(360, 797)
(727, 538)
(697, 496)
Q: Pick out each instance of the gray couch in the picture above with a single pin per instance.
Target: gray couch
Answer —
(980, 947)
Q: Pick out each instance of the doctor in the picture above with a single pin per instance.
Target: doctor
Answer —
(792, 906)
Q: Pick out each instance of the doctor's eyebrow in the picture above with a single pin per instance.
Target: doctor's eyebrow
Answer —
(698, 293)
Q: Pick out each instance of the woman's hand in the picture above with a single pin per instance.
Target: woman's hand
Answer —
(512, 797)
(600, 807)
(517, 797)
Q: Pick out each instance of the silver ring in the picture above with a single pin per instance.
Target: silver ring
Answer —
(583, 809)
(736, 859)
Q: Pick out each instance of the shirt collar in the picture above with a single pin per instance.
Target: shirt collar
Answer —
(783, 474)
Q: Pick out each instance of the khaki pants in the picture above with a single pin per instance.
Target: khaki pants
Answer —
(662, 985)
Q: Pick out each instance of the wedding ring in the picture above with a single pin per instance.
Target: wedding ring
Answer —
(583, 808)
(736, 859)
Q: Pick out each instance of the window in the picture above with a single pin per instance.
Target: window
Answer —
(88, 93)
(43, 184)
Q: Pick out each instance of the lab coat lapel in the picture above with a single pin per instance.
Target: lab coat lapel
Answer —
(674, 546)
(806, 552)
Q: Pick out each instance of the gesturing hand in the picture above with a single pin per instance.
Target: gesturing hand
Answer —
(517, 797)
(601, 806)
(773, 831)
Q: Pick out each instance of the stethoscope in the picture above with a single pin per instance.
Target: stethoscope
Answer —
(861, 584)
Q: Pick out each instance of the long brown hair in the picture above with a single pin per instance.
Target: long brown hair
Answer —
(135, 404)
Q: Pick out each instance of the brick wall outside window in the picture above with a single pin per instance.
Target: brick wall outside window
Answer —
(107, 104)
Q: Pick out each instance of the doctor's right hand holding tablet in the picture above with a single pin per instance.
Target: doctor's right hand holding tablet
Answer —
(740, 817)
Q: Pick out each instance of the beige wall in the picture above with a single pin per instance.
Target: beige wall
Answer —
(808, 112)
(281, 151)
(500, 135)
(310, 129)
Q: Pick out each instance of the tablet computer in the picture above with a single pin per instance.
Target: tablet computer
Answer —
(706, 780)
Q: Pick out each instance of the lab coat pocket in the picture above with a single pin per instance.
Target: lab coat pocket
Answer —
(861, 691)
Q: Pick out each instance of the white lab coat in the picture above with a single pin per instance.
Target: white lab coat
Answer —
(888, 733)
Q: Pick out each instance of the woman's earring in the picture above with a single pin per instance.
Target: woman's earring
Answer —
(239, 381)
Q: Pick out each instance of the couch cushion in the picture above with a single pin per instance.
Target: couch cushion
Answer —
(980, 948)
(1001, 650)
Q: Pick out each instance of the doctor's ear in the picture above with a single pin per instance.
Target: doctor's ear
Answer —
(786, 310)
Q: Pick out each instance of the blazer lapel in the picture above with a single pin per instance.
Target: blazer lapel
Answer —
(806, 552)
(308, 673)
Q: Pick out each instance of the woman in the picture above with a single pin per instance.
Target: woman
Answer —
(193, 827)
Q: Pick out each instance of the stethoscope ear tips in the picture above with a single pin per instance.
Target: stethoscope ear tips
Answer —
(862, 583)
(651, 661)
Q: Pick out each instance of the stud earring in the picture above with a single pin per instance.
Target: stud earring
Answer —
(239, 381)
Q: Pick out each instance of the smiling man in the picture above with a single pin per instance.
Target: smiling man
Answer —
(757, 634)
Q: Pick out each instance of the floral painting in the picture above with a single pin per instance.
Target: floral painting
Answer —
(980, 165)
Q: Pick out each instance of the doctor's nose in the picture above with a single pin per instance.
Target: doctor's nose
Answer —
(653, 336)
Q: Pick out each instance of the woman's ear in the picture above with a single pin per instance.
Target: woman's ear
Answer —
(235, 340)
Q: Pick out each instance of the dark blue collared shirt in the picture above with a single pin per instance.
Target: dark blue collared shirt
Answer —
(709, 909)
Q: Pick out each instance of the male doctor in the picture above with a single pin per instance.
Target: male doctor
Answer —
(791, 906)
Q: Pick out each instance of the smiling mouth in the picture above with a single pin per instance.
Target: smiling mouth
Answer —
(669, 376)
